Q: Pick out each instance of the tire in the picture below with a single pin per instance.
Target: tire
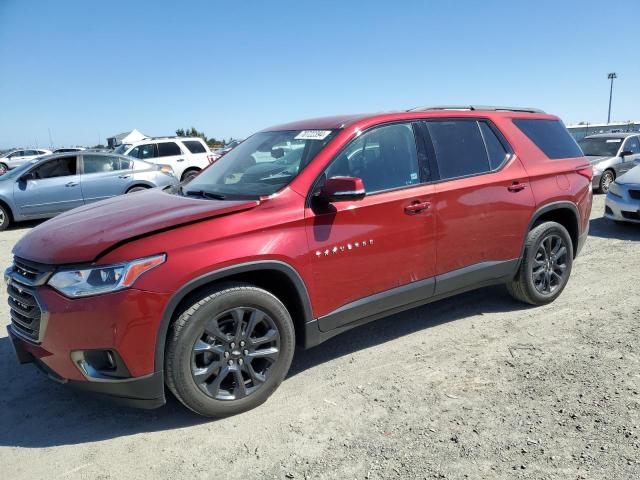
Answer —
(205, 350)
(136, 189)
(3, 168)
(5, 218)
(538, 269)
(189, 175)
(607, 178)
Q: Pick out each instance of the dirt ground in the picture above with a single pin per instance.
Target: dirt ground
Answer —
(477, 386)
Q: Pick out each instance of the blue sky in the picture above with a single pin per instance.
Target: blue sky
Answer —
(87, 70)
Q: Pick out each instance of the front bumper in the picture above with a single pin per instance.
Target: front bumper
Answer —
(124, 323)
(141, 392)
(623, 209)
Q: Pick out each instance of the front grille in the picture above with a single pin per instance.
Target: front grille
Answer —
(631, 215)
(26, 311)
(635, 194)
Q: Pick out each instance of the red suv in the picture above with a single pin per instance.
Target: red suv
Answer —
(301, 232)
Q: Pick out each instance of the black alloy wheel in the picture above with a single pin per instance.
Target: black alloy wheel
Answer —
(235, 353)
(549, 265)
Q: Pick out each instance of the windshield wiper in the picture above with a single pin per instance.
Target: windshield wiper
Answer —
(204, 194)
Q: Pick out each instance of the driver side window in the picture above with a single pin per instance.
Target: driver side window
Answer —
(632, 145)
(384, 158)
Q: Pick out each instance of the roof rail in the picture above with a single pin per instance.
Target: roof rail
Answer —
(490, 108)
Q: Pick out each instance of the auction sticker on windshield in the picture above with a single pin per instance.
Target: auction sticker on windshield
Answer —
(312, 134)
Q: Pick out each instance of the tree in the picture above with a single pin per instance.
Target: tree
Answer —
(193, 132)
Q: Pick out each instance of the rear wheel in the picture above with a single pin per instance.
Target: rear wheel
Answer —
(545, 266)
(5, 218)
(229, 351)
(606, 180)
(3, 168)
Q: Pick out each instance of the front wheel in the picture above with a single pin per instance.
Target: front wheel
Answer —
(189, 175)
(229, 351)
(5, 219)
(546, 265)
(606, 180)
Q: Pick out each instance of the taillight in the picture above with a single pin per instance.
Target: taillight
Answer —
(586, 172)
(211, 158)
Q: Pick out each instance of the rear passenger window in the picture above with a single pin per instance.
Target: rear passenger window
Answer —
(384, 158)
(168, 149)
(495, 149)
(550, 136)
(459, 148)
(194, 146)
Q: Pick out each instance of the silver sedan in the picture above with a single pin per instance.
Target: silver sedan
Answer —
(53, 184)
(623, 199)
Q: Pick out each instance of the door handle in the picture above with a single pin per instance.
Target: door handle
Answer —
(72, 184)
(180, 160)
(517, 187)
(124, 176)
(417, 207)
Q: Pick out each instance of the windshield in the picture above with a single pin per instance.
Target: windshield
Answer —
(16, 172)
(120, 149)
(262, 164)
(600, 146)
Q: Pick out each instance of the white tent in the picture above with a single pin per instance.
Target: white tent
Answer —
(126, 137)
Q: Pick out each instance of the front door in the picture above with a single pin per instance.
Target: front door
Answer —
(365, 254)
(628, 161)
(52, 187)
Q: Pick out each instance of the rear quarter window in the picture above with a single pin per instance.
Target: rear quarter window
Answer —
(550, 136)
(194, 146)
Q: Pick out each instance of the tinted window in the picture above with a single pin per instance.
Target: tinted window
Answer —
(59, 167)
(19, 153)
(600, 146)
(459, 148)
(384, 158)
(632, 145)
(144, 151)
(100, 163)
(31, 153)
(168, 149)
(194, 146)
(495, 148)
(550, 136)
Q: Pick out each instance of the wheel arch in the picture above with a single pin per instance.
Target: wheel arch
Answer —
(139, 183)
(187, 170)
(277, 277)
(565, 213)
(9, 209)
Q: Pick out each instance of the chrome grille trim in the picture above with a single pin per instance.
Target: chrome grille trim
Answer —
(27, 312)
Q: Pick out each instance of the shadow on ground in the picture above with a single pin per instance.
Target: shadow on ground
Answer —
(605, 228)
(36, 412)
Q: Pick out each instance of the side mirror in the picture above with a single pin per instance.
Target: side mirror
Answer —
(28, 176)
(624, 153)
(341, 189)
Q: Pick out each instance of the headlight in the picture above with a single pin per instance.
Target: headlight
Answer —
(103, 279)
(615, 189)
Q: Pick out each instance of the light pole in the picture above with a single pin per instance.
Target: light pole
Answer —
(611, 76)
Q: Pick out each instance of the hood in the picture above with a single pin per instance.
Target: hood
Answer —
(82, 234)
(593, 159)
(632, 177)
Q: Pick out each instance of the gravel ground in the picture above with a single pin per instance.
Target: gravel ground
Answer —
(477, 386)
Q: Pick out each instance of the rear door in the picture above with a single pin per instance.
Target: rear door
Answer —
(483, 203)
(379, 244)
(104, 176)
(55, 188)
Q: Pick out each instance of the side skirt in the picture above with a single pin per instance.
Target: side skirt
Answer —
(408, 296)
